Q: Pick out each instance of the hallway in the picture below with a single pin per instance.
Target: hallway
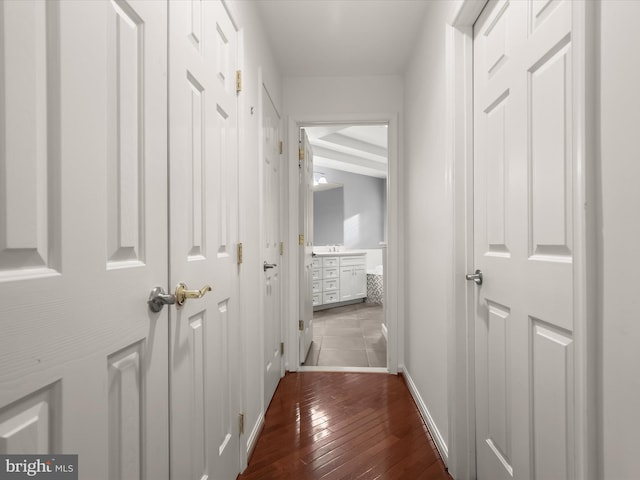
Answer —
(328, 425)
(153, 241)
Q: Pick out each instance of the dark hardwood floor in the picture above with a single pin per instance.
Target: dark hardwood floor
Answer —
(327, 425)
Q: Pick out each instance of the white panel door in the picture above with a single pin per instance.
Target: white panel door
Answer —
(270, 217)
(83, 222)
(204, 338)
(306, 246)
(524, 240)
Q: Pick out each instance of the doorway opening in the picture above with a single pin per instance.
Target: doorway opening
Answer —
(350, 172)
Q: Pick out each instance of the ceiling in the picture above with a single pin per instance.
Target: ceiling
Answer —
(360, 149)
(342, 37)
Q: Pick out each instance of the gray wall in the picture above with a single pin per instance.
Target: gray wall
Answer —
(328, 217)
(364, 209)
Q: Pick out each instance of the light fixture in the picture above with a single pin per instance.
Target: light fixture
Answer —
(321, 180)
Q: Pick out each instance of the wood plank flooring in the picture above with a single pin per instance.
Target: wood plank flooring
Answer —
(330, 426)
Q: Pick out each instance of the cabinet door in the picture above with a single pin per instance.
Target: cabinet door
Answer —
(359, 282)
(347, 283)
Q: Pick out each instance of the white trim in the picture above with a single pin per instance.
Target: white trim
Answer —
(459, 165)
(585, 294)
(393, 320)
(261, 231)
(244, 277)
(302, 368)
(426, 416)
(252, 440)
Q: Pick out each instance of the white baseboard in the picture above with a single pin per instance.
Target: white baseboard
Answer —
(428, 419)
(253, 437)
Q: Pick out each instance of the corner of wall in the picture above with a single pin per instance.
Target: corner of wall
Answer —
(434, 431)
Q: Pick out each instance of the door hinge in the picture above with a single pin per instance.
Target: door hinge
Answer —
(301, 325)
(238, 81)
(239, 253)
(281, 348)
(281, 248)
(241, 423)
(300, 154)
(281, 148)
(301, 239)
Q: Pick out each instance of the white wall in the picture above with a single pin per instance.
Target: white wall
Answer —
(257, 62)
(427, 218)
(620, 239)
(342, 95)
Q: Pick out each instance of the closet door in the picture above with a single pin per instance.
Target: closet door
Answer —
(205, 343)
(83, 234)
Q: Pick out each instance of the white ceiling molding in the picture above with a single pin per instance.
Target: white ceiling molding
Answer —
(360, 149)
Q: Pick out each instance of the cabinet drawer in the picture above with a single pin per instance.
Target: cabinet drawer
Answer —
(330, 297)
(316, 274)
(317, 262)
(316, 299)
(355, 260)
(330, 262)
(317, 286)
(330, 284)
(330, 272)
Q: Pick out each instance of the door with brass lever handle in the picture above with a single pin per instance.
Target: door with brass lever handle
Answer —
(476, 277)
(158, 298)
(266, 266)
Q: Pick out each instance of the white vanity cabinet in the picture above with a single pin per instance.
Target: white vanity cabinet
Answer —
(353, 278)
(340, 277)
(317, 281)
(330, 280)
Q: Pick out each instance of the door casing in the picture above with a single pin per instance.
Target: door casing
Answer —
(394, 282)
(459, 159)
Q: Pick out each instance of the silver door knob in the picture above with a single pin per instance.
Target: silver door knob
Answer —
(158, 298)
(266, 266)
(476, 277)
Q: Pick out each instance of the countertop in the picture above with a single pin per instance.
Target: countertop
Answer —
(338, 254)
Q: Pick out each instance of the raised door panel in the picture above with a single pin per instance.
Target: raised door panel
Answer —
(29, 230)
(125, 174)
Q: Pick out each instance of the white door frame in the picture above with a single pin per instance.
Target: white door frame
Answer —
(461, 331)
(393, 280)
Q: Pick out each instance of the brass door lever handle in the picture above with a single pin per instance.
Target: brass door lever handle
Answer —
(182, 293)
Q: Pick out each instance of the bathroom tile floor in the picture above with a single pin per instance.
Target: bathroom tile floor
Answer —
(348, 336)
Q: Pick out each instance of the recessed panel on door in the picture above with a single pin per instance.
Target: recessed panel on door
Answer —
(552, 399)
(125, 180)
(550, 155)
(29, 135)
